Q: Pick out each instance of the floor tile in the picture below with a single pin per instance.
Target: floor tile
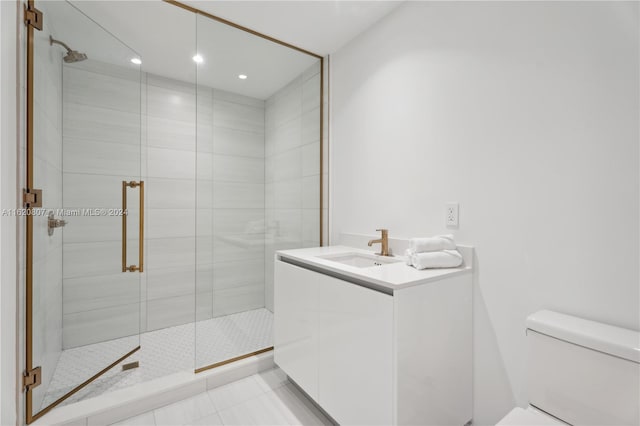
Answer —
(185, 412)
(264, 410)
(235, 393)
(299, 409)
(210, 420)
(271, 379)
(145, 419)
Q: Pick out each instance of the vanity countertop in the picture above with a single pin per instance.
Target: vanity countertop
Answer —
(389, 277)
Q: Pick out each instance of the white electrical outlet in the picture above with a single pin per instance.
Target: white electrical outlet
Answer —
(451, 215)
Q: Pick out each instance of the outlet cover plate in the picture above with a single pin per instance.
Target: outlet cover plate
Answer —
(451, 215)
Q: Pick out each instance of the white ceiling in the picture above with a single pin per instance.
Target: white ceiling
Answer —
(321, 27)
(166, 37)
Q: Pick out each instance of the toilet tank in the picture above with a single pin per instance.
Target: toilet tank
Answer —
(583, 372)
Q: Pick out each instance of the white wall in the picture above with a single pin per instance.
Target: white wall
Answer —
(527, 115)
(8, 225)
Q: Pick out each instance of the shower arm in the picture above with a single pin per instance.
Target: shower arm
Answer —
(53, 41)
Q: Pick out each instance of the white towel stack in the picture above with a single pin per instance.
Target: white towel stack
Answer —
(434, 252)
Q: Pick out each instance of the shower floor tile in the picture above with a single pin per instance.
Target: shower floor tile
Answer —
(162, 352)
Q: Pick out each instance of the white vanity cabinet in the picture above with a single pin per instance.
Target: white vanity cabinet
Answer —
(331, 338)
(296, 325)
(355, 335)
(375, 356)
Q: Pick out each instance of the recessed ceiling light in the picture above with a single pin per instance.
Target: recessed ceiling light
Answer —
(197, 58)
(136, 61)
(242, 77)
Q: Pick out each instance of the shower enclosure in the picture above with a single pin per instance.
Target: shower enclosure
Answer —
(167, 159)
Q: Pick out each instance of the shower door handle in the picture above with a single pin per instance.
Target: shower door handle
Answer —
(140, 266)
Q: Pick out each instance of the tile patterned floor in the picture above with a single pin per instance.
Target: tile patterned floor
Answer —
(162, 352)
(267, 398)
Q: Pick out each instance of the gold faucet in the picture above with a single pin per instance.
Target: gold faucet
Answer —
(384, 241)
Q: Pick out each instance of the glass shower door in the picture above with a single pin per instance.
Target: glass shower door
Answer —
(85, 252)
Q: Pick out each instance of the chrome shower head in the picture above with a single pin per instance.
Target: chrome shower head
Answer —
(72, 55)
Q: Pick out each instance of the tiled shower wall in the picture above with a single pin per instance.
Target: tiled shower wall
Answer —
(292, 169)
(204, 187)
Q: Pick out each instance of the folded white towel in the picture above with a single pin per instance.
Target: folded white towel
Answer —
(437, 259)
(407, 254)
(441, 242)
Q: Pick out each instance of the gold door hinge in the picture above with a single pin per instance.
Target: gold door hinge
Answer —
(32, 378)
(33, 17)
(32, 198)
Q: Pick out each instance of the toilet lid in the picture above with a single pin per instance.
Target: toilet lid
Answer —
(520, 417)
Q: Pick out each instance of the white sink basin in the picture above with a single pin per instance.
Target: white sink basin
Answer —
(360, 260)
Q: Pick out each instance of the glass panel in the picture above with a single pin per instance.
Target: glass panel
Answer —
(170, 73)
(259, 135)
(87, 102)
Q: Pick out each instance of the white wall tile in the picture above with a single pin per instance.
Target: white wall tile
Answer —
(311, 192)
(93, 191)
(87, 122)
(205, 165)
(238, 195)
(94, 258)
(102, 291)
(162, 313)
(204, 191)
(236, 142)
(225, 251)
(204, 249)
(310, 126)
(170, 133)
(238, 299)
(171, 163)
(99, 325)
(100, 90)
(311, 226)
(234, 221)
(311, 159)
(286, 165)
(223, 95)
(238, 169)
(311, 93)
(170, 252)
(103, 158)
(237, 116)
(204, 222)
(238, 273)
(204, 307)
(204, 278)
(84, 229)
(170, 223)
(288, 135)
(171, 193)
(164, 102)
(170, 282)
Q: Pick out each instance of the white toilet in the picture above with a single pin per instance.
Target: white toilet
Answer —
(580, 372)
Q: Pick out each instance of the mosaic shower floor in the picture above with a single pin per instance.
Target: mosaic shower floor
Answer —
(162, 352)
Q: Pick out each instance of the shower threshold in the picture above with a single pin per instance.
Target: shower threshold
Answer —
(162, 352)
